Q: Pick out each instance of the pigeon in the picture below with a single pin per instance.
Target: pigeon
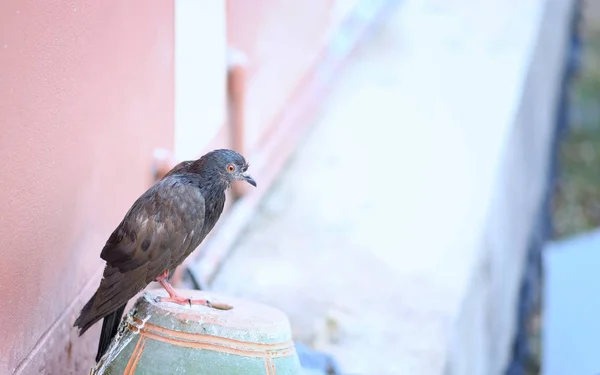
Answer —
(164, 225)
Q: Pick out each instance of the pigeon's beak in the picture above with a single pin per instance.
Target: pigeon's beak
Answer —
(249, 179)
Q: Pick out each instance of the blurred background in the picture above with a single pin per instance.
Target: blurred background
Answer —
(428, 171)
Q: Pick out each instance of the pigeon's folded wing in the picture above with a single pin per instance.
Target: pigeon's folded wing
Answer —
(159, 230)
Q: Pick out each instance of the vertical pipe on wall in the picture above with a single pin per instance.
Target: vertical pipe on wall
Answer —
(236, 97)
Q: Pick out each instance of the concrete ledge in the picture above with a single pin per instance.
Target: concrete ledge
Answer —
(487, 321)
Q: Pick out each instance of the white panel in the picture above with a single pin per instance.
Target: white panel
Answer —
(200, 74)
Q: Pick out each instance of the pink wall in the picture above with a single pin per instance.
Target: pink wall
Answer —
(86, 93)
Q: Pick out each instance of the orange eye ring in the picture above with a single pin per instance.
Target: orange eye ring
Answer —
(230, 168)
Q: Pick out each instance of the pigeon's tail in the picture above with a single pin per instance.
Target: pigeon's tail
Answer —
(87, 317)
(110, 325)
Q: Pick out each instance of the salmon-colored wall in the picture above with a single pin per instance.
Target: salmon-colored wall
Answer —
(86, 94)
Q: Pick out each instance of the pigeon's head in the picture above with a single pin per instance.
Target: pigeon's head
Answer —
(229, 166)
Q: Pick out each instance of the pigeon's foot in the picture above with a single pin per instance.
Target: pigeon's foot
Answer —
(188, 301)
(180, 300)
(183, 300)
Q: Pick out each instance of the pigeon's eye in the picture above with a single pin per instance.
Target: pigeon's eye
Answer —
(230, 168)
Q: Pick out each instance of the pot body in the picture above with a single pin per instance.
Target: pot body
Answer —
(165, 338)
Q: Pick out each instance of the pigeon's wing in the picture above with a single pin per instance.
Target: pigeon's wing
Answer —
(163, 224)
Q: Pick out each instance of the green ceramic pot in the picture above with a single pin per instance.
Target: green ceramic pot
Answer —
(166, 338)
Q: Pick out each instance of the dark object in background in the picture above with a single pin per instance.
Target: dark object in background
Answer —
(316, 363)
(158, 232)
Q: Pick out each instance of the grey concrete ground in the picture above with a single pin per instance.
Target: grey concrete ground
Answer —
(322, 246)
